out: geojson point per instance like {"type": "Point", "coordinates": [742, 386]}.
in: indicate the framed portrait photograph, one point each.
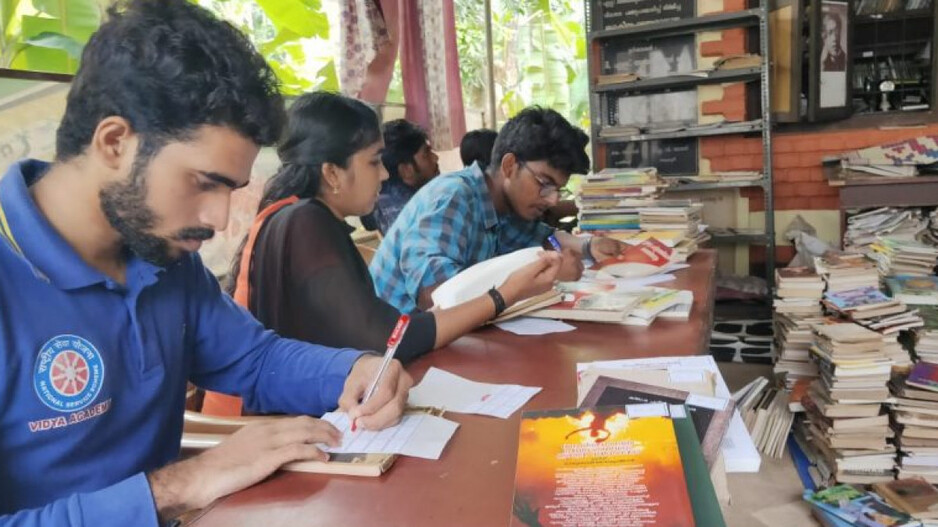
{"type": "Point", "coordinates": [830, 61]}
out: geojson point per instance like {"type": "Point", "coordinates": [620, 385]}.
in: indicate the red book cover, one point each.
{"type": "Point", "coordinates": [924, 375]}
{"type": "Point", "coordinates": [645, 259]}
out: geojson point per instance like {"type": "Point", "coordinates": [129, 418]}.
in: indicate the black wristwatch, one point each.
{"type": "Point", "coordinates": [499, 301]}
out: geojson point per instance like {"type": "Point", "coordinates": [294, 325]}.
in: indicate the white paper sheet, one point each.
{"type": "Point", "coordinates": [534, 326]}
{"type": "Point", "coordinates": [739, 451]}
{"type": "Point", "coordinates": [631, 284]}
{"type": "Point", "coordinates": [417, 435]}
{"type": "Point", "coordinates": [453, 393]}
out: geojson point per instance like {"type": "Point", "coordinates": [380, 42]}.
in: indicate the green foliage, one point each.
{"type": "Point", "coordinates": [291, 34]}
{"type": "Point", "coordinates": [46, 35]}
{"type": "Point", "coordinates": [539, 53]}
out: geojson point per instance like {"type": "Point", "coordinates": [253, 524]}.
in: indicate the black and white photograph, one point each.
{"type": "Point", "coordinates": [833, 59]}
{"type": "Point", "coordinates": [657, 58]}
{"type": "Point", "coordinates": [659, 110]}
{"type": "Point", "coordinates": [670, 156]}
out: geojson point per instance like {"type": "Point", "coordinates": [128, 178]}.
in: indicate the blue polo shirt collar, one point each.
{"type": "Point", "coordinates": [50, 256]}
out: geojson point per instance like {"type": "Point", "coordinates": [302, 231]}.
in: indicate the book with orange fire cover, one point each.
{"type": "Point", "coordinates": [614, 465]}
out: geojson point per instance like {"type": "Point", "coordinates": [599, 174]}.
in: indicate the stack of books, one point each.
{"type": "Point", "coordinates": [797, 309]}
{"type": "Point", "coordinates": [871, 308]}
{"type": "Point", "coordinates": [898, 223]}
{"type": "Point", "coordinates": [847, 425]}
{"type": "Point", "coordinates": [896, 256]}
{"type": "Point", "coordinates": [765, 412]}
{"type": "Point", "coordinates": [925, 338]}
{"type": "Point", "coordinates": [624, 203]}
{"type": "Point", "coordinates": [914, 290]}
{"type": "Point", "coordinates": [608, 200]}
{"type": "Point", "coordinates": [915, 420]}
{"type": "Point", "coordinates": [671, 215]}
{"type": "Point", "coordinates": [913, 496]}
{"type": "Point", "coordinates": [846, 271]}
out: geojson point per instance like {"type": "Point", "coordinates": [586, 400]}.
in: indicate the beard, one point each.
{"type": "Point", "coordinates": [124, 205]}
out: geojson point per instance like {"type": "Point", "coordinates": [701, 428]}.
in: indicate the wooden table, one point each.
{"type": "Point", "coordinates": [472, 483]}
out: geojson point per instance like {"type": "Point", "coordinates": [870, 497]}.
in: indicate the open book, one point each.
{"type": "Point", "coordinates": [476, 280]}
{"type": "Point", "coordinates": [592, 301]}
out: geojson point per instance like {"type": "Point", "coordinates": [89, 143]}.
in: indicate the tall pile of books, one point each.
{"type": "Point", "coordinates": [915, 419]}
{"type": "Point", "coordinates": [797, 308]}
{"type": "Point", "coordinates": [898, 223]}
{"type": "Point", "coordinates": [608, 201]}
{"type": "Point", "coordinates": [896, 256]}
{"type": "Point", "coordinates": [925, 338]}
{"type": "Point", "coordinates": [846, 422]}
{"type": "Point", "coordinates": [624, 204]}
{"type": "Point", "coordinates": [846, 271]}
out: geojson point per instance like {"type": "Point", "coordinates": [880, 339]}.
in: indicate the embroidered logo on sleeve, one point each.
{"type": "Point", "coordinates": [69, 373]}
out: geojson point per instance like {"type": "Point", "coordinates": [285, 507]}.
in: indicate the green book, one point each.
{"type": "Point", "coordinates": [703, 498]}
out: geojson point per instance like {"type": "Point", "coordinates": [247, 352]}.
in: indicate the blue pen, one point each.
{"type": "Point", "coordinates": [554, 243]}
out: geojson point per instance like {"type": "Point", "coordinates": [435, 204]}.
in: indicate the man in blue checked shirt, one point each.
{"type": "Point", "coordinates": [462, 218]}
{"type": "Point", "coordinates": [106, 310]}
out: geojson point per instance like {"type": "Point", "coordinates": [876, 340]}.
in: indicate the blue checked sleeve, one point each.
{"type": "Point", "coordinates": [519, 234]}
{"type": "Point", "coordinates": [436, 249]}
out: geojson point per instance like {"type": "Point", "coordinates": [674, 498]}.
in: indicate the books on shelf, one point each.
{"type": "Point", "coordinates": [896, 256]}
{"type": "Point", "coordinates": [864, 229]}
{"type": "Point", "coordinates": [741, 61]}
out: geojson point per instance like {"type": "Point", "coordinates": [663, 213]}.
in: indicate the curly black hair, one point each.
{"type": "Point", "coordinates": [402, 141]}
{"type": "Point", "coordinates": [542, 134]}
{"type": "Point", "coordinates": [168, 67]}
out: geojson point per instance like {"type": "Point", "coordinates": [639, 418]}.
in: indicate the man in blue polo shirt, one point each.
{"type": "Point", "coordinates": [106, 310]}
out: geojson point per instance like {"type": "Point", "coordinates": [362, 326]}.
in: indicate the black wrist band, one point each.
{"type": "Point", "coordinates": [588, 249]}
{"type": "Point", "coordinates": [498, 300]}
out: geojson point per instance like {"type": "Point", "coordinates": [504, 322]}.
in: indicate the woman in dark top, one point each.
{"type": "Point", "coordinates": [307, 279]}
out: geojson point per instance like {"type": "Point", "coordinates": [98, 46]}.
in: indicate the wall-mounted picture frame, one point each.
{"type": "Point", "coordinates": [831, 64]}
{"type": "Point", "coordinates": [785, 26]}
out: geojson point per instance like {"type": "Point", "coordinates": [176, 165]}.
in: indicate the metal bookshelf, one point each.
{"type": "Point", "coordinates": [601, 107]}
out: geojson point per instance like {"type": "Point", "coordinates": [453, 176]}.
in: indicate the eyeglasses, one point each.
{"type": "Point", "coordinates": [548, 189]}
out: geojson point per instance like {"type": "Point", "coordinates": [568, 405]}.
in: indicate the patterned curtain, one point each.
{"type": "Point", "coordinates": [424, 31]}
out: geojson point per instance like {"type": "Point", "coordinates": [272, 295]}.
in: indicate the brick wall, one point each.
{"type": "Point", "coordinates": [799, 184]}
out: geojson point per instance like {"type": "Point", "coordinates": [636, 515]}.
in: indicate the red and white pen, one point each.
{"type": "Point", "coordinates": [393, 342]}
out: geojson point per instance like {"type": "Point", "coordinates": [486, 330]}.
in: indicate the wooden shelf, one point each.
{"type": "Point", "coordinates": [681, 81]}
{"type": "Point", "coordinates": [654, 136]}
{"type": "Point", "coordinates": [711, 185]}
{"type": "Point", "coordinates": [748, 17]}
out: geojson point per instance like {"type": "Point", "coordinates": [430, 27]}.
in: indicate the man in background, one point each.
{"type": "Point", "coordinates": [410, 162]}
{"type": "Point", "coordinates": [476, 147]}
